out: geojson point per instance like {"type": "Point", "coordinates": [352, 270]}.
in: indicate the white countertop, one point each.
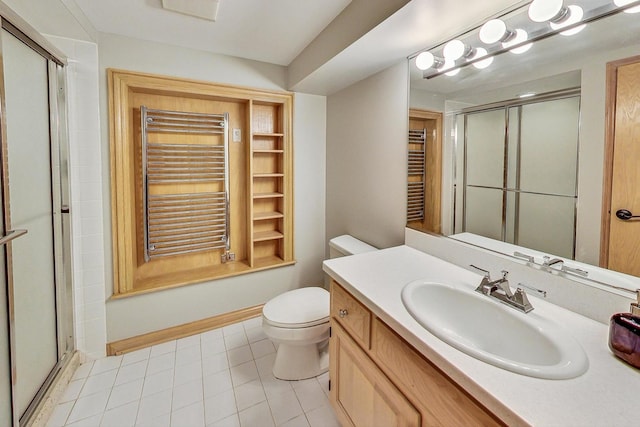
{"type": "Point", "coordinates": [607, 395]}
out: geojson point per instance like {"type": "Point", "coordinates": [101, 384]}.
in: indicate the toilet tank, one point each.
{"type": "Point", "coordinates": [347, 245]}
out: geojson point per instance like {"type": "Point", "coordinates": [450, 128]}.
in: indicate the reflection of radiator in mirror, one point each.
{"type": "Point", "coordinates": [185, 182]}
{"type": "Point", "coordinates": [416, 175]}
{"type": "Point", "coordinates": [519, 179]}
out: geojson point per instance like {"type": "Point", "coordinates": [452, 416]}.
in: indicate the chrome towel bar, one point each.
{"type": "Point", "coordinates": [194, 216]}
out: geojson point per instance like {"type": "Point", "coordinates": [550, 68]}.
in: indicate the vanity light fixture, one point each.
{"type": "Point", "coordinates": [450, 65]}
{"type": "Point", "coordinates": [426, 60]}
{"type": "Point", "coordinates": [575, 15]}
{"type": "Point", "coordinates": [495, 30]}
{"type": "Point", "coordinates": [482, 63]}
{"type": "Point", "coordinates": [455, 49]}
{"type": "Point", "coordinates": [521, 36]}
{"type": "Point", "coordinates": [548, 10]}
{"type": "Point", "coordinates": [621, 3]}
{"type": "Point", "coordinates": [498, 38]}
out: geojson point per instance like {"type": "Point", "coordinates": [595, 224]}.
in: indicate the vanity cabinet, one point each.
{"type": "Point", "coordinates": [378, 379]}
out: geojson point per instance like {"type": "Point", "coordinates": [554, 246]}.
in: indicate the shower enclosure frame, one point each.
{"type": "Point", "coordinates": [61, 221]}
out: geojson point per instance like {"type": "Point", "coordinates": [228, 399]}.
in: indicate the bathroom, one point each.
{"type": "Point", "coordinates": [377, 214]}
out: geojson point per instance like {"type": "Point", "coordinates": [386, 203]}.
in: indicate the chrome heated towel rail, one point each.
{"type": "Point", "coordinates": [177, 219]}
{"type": "Point", "coordinates": [416, 172]}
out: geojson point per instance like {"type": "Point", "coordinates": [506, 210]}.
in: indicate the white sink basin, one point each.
{"type": "Point", "coordinates": [493, 332]}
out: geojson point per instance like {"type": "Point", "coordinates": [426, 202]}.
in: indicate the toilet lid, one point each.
{"type": "Point", "coordinates": [298, 308]}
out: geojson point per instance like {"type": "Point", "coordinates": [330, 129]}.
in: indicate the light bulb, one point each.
{"type": "Point", "coordinates": [452, 72]}
{"type": "Point", "coordinates": [449, 64]}
{"type": "Point", "coordinates": [545, 10]}
{"type": "Point", "coordinates": [621, 3]}
{"type": "Point", "coordinates": [493, 31]}
{"type": "Point", "coordinates": [425, 60]}
{"type": "Point", "coordinates": [575, 15]}
{"type": "Point", "coordinates": [483, 63]}
{"type": "Point", "coordinates": [454, 49]}
{"type": "Point", "coordinates": [521, 36]}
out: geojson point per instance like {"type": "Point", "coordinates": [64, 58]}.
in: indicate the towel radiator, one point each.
{"type": "Point", "coordinates": [179, 219]}
{"type": "Point", "coordinates": [416, 173]}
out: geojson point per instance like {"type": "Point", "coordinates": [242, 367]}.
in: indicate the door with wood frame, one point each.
{"type": "Point", "coordinates": [620, 243]}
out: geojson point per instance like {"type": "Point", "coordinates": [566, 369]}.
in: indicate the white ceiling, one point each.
{"type": "Point", "coordinates": [273, 31]}
{"type": "Point", "coordinates": [323, 54]}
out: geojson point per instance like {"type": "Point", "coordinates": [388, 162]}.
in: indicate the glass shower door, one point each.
{"type": "Point", "coordinates": [29, 204]}
{"type": "Point", "coordinates": [484, 174]}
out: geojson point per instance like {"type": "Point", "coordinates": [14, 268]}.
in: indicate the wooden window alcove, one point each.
{"type": "Point", "coordinates": [260, 179]}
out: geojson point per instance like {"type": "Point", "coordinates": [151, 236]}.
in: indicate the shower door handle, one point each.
{"type": "Point", "coordinates": [12, 234]}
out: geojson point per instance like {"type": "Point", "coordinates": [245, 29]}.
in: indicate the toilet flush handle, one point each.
{"type": "Point", "coordinates": [342, 313]}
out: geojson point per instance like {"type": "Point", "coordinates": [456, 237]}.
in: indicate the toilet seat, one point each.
{"type": "Point", "coordinates": [299, 308]}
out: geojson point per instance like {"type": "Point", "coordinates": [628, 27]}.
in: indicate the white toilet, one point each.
{"type": "Point", "coordinates": [298, 321]}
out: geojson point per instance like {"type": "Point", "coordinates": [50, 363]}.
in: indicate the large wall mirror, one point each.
{"type": "Point", "coordinates": [523, 144]}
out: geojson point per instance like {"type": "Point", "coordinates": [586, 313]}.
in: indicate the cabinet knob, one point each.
{"type": "Point", "coordinates": [342, 312]}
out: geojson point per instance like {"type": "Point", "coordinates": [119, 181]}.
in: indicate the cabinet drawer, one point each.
{"type": "Point", "coordinates": [441, 401]}
{"type": "Point", "coordinates": [352, 315]}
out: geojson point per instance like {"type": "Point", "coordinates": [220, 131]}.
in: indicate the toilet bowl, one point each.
{"type": "Point", "coordinates": [298, 322]}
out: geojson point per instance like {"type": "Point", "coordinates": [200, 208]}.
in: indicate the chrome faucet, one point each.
{"type": "Point", "coordinates": [500, 290]}
{"type": "Point", "coordinates": [487, 286]}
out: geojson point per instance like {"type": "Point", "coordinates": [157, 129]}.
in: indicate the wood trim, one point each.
{"type": "Point", "coordinates": [609, 146]}
{"type": "Point", "coordinates": [199, 326]}
{"type": "Point", "coordinates": [132, 277]}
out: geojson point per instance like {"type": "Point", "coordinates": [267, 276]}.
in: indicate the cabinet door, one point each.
{"type": "Point", "coordinates": [439, 399]}
{"type": "Point", "coordinates": [360, 393]}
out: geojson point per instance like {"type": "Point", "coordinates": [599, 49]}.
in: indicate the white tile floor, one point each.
{"type": "Point", "coordinates": [218, 378]}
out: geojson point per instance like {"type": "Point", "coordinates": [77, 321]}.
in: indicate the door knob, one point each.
{"type": "Point", "coordinates": [626, 215]}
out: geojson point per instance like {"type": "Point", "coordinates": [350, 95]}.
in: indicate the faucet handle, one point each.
{"type": "Point", "coordinates": [529, 258]}
{"type": "Point", "coordinates": [578, 271]}
{"type": "Point", "coordinates": [505, 273]}
{"type": "Point", "coordinates": [539, 291]}
{"type": "Point", "coordinates": [487, 274]}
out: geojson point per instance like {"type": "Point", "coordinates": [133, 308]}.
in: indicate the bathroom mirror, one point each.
{"type": "Point", "coordinates": [557, 67]}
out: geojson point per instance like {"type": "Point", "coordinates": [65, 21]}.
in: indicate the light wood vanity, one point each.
{"type": "Point", "coordinates": [378, 379]}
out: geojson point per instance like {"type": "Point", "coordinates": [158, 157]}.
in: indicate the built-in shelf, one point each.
{"type": "Point", "coordinates": [261, 236]}
{"type": "Point", "coordinates": [267, 195]}
{"type": "Point", "coordinates": [268, 261]}
{"type": "Point", "coordinates": [268, 175]}
{"type": "Point", "coordinates": [271, 215]}
{"type": "Point", "coordinates": [267, 215]}
{"type": "Point", "coordinates": [267, 134]}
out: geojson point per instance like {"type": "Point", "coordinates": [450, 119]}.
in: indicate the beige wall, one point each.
{"type": "Point", "coordinates": [366, 158]}
{"type": "Point", "coordinates": [132, 316]}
